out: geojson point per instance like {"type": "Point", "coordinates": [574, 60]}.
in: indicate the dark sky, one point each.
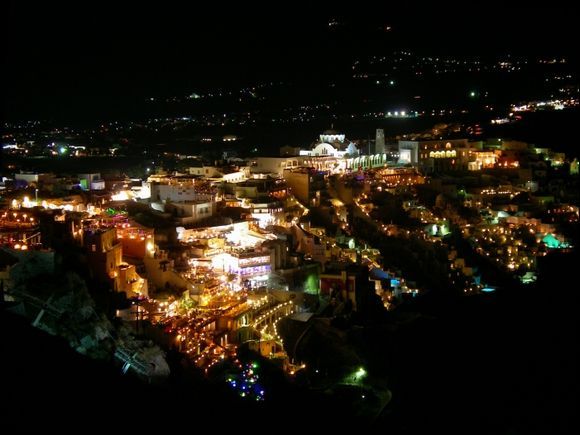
{"type": "Point", "coordinates": [66, 54]}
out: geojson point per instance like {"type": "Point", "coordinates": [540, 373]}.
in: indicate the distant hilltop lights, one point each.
{"type": "Point", "coordinates": [401, 114]}
{"type": "Point", "coordinates": [532, 106]}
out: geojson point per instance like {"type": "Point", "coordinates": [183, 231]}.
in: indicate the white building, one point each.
{"type": "Point", "coordinates": [331, 144]}
{"type": "Point", "coordinates": [276, 165]}
{"type": "Point", "coordinates": [409, 152]}
{"type": "Point", "coordinates": [204, 171]}
{"type": "Point", "coordinates": [189, 212]}
{"type": "Point", "coordinates": [332, 153]}
{"type": "Point", "coordinates": [176, 192]}
{"type": "Point", "coordinates": [234, 177]}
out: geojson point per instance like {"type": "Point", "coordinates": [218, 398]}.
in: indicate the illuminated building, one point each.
{"type": "Point", "coordinates": [175, 190]}
{"type": "Point", "coordinates": [257, 188]}
{"type": "Point", "coordinates": [188, 212]}
{"type": "Point", "coordinates": [393, 177]}
{"type": "Point", "coordinates": [91, 181]}
{"type": "Point", "coordinates": [276, 165]}
{"type": "Point", "coordinates": [447, 155]}
{"type": "Point", "coordinates": [409, 152]}
{"type": "Point", "coordinates": [204, 171]}
{"type": "Point", "coordinates": [305, 183]}
{"type": "Point", "coordinates": [482, 159]}
{"type": "Point", "coordinates": [432, 155]}
{"type": "Point", "coordinates": [331, 153]}
{"type": "Point", "coordinates": [129, 281]}
{"type": "Point", "coordinates": [234, 177]}
{"type": "Point", "coordinates": [235, 318]}
{"type": "Point", "coordinates": [104, 252]}
{"type": "Point", "coordinates": [105, 257]}
{"type": "Point", "coordinates": [136, 242]}
{"type": "Point", "coordinates": [267, 213]}
{"type": "Point", "coordinates": [248, 265]}
{"type": "Point", "coordinates": [161, 274]}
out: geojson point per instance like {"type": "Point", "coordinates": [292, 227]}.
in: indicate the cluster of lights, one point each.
{"type": "Point", "coordinates": [516, 252]}
{"type": "Point", "coordinates": [545, 105]}
{"type": "Point", "coordinates": [10, 219]}
{"type": "Point", "coordinates": [216, 301]}
{"type": "Point", "coordinates": [247, 383]}
{"type": "Point", "coordinates": [492, 191]}
{"type": "Point", "coordinates": [397, 113]}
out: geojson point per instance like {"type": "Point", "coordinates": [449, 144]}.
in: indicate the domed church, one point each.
{"type": "Point", "coordinates": [332, 144]}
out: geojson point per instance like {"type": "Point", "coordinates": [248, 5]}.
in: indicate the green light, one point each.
{"type": "Point", "coordinates": [472, 94]}
{"type": "Point", "coordinates": [62, 150]}
{"type": "Point", "coordinates": [311, 284]}
{"type": "Point", "coordinates": [551, 241]}
{"type": "Point", "coordinates": [357, 376]}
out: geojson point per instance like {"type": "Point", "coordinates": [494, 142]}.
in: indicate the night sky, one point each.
{"type": "Point", "coordinates": [69, 57]}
